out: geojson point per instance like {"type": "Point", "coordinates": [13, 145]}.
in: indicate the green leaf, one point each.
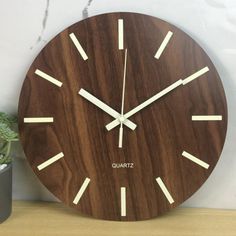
{"type": "Point", "coordinates": [7, 119]}
{"type": "Point", "coordinates": [4, 159]}
{"type": "Point", "coordinates": [6, 133]}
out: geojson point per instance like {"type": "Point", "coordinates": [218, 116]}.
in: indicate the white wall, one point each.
{"type": "Point", "coordinates": [26, 26]}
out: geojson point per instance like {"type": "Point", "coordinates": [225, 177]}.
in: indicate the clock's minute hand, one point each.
{"type": "Point", "coordinates": [103, 106]}
{"type": "Point", "coordinates": [116, 122]}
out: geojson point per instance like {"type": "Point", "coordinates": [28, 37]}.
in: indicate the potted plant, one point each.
{"type": "Point", "coordinates": [7, 136]}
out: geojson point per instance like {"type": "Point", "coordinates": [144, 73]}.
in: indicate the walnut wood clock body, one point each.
{"type": "Point", "coordinates": [164, 142]}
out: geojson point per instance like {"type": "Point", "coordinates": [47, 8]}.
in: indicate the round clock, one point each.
{"type": "Point", "coordinates": [122, 116]}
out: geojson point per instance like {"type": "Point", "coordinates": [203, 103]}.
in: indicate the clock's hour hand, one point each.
{"type": "Point", "coordinates": [110, 111]}
{"type": "Point", "coordinates": [116, 122]}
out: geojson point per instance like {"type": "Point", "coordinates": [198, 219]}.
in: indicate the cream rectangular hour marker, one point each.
{"type": "Point", "coordinates": [121, 34]}
{"type": "Point", "coordinates": [38, 120]}
{"type": "Point", "coordinates": [163, 45]}
{"type": "Point", "coordinates": [195, 160]}
{"type": "Point", "coordinates": [165, 190]}
{"type": "Point", "coordinates": [81, 191]}
{"type": "Point", "coordinates": [50, 161]}
{"type": "Point", "coordinates": [78, 46]}
{"type": "Point", "coordinates": [195, 75]}
{"type": "Point", "coordinates": [123, 201]}
{"type": "Point", "coordinates": [206, 118]}
{"type": "Point", "coordinates": [48, 78]}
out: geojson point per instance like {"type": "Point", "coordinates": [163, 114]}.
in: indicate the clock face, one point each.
{"type": "Point", "coordinates": [122, 116]}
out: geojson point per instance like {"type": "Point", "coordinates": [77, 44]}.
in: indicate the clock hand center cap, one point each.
{"type": "Point", "coordinates": [121, 119]}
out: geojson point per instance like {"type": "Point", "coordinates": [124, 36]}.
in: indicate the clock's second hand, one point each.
{"type": "Point", "coordinates": [122, 104]}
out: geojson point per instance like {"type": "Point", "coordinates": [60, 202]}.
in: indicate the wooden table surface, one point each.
{"type": "Point", "coordinates": [42, 218]}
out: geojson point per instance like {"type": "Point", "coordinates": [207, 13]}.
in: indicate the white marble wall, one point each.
{"type": "Point", "coordinates": [26, 26]}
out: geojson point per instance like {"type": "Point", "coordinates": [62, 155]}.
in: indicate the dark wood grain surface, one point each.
{"type": "Point", "coordinates": [164, 129]}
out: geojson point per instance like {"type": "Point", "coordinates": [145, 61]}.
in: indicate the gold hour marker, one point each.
{"type": "Point", "coordinates": [195, 160]}
{"type": "Point", "coordinates": [81, 191]}
{"type": "Point", "coordinates": [38, 120]}
{"type": "Point", "coordinates": [163, 45]}
{"type": "Point", "coordinates": [78, 46]}
{"type": "Point", "coordinates": [121, 34]}
{"type": "Point", "coordinates": [50, 161]}
{"type": "Point", "coordinates": [206, 118]}
{"type": "Point", "coordinates": [165, 190]}
{"type": "Point", "coordinates": [48, 78]}
{"type": "Point", "coordinates": [123, 201]}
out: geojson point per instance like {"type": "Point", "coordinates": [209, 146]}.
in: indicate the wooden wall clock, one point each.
{"type": "Point", "coordinates": [122, 116]}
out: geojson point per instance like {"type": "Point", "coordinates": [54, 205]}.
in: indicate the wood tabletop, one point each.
{"type": "Point", "coordinates": [43, 218]}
